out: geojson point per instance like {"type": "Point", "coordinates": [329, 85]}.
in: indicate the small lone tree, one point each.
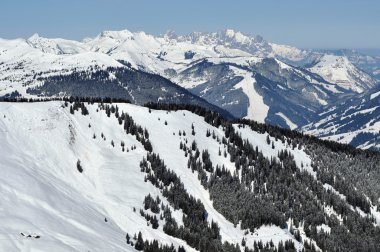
{"type": "Point", "coordinates": [79, 166]}
{"type": "Point", "coordinates": [127, 238]}
{"type": "Point", "coordinates": [192, 129]}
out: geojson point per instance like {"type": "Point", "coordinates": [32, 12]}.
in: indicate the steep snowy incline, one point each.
{"type": "Point", "coordinates": [57, 45]}
{"type": "Point", "coordinates": [47, 196]}
{"type": "Point", "coordinates": [163, 127]}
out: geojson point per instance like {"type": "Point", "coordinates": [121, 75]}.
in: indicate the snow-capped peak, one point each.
{"type": "Point", "coordinates": [340, 71]}
{"type": "Point", "coordinates": [230, 32]}
{"type": "Point", "coordinates": [34, 37]}
{"type": "Point", "coordinates": [237, 36]}
{"type": "Point", "coordinates": [123, 34]}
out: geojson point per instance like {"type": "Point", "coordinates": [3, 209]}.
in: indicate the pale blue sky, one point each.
{"type": "Point", "coordinates": [302, 23]}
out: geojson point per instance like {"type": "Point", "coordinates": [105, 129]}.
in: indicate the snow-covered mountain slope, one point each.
{"type": "Point", "coordinates": [28, 66]}
{"type": "Point", "coordinates": [45, 195]}
{"type": "Point", "coordinates": [354, 121]}
{"type": "Point", "coordinates": [73, 181]}
{"type": "Point", "coordinates": [339, 70]}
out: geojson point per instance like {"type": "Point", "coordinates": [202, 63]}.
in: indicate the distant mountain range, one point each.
{"type": "Point", "coordinates": [236, 74]}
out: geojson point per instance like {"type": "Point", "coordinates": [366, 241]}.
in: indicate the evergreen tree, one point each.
{"type": "Point", "coordinates": [79, 166]}
{"type": "Point", "coordinates": [139, 245]}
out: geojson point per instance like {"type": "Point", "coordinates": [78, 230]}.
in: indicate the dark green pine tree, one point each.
{"type": "Point", "coordinates": [127, 238]}
{"type": "Point", "coordinates": [139, 243]}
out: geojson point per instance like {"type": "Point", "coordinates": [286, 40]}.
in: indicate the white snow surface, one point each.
{"type": "Point", "coordinates": [43, 193]}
